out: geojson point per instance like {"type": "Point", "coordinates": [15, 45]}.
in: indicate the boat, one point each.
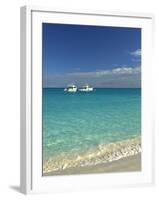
{"type": "Point", "coordinates": [71, 88]}
{"type": "Point", "coordinates": [86, 88]}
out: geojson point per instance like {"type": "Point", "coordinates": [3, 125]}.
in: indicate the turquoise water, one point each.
{"type": "Point", "coordinates": [74, 123]}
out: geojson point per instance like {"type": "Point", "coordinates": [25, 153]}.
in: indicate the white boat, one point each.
{"type": "Point", "coordinates": [71, 88]}
{"type": "Point", "coordinates": [86, 88]}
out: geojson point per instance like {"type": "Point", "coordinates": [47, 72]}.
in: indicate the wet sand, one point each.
{"type": "Point", "coordinates": [127, 164]}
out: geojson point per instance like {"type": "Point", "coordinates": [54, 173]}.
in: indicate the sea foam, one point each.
{"type": "Point", "coordinates": [102, 154]}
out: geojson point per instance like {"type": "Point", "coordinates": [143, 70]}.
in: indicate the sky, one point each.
{"type": "Point", "coordinates": [102, 56]}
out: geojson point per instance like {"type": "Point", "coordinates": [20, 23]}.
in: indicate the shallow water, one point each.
{"type": "Point", "coordinates": [80, 122]}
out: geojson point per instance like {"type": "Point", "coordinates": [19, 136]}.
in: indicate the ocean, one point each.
{"type": "Point", "coordinates": [75, 124]}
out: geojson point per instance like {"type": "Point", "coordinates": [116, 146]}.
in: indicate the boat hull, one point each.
{"type": "Point", "coordinates": [86, 90]}
{"type": "Point", "coordinates": [70, 90]}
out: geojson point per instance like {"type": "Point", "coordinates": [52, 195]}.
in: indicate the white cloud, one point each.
{"type": "Point", "coordinates": [117, 77]}
{"type": "Point", "coordinates": [116, 71]}
{"type": "Point", "coordinates": [136, 53]}
{"type": "Point", "coordinates": [127, 70]}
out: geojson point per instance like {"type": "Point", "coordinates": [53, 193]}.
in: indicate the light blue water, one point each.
{"type": "Point", "coordinates": [78, 122]}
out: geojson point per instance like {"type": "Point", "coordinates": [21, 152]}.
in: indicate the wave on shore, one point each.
{"type": "Point", "coordinates": [102, 154]}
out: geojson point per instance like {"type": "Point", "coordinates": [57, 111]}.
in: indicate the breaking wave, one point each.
{"type": "Point", "coordinates": [101, 154]}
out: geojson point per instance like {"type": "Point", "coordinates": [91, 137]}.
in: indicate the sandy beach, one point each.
{"type": "Point", "coordinates": [114, 157]}
{"type": "Point", "coordinates": [127, 164]}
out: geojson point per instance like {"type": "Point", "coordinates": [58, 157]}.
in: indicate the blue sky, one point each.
{"type": "Point", "coordinates": [97, 55]}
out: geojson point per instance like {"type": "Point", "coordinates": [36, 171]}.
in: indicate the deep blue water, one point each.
{"type": "Point", "coordinates": [78, 122]}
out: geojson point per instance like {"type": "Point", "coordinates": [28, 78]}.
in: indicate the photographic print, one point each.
{"type": "Point", "coordinates": [91, 101]}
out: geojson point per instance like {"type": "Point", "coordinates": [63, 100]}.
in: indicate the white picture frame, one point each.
{"type": "Point", "coordinates": [32, 180]}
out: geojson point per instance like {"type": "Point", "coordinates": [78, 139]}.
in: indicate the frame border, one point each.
{"type": "Point", "coordinates": [26, 83]}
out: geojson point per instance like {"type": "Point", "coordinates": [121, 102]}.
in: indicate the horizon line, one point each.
{"type": "Point", "coordinates": [99, 87]}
